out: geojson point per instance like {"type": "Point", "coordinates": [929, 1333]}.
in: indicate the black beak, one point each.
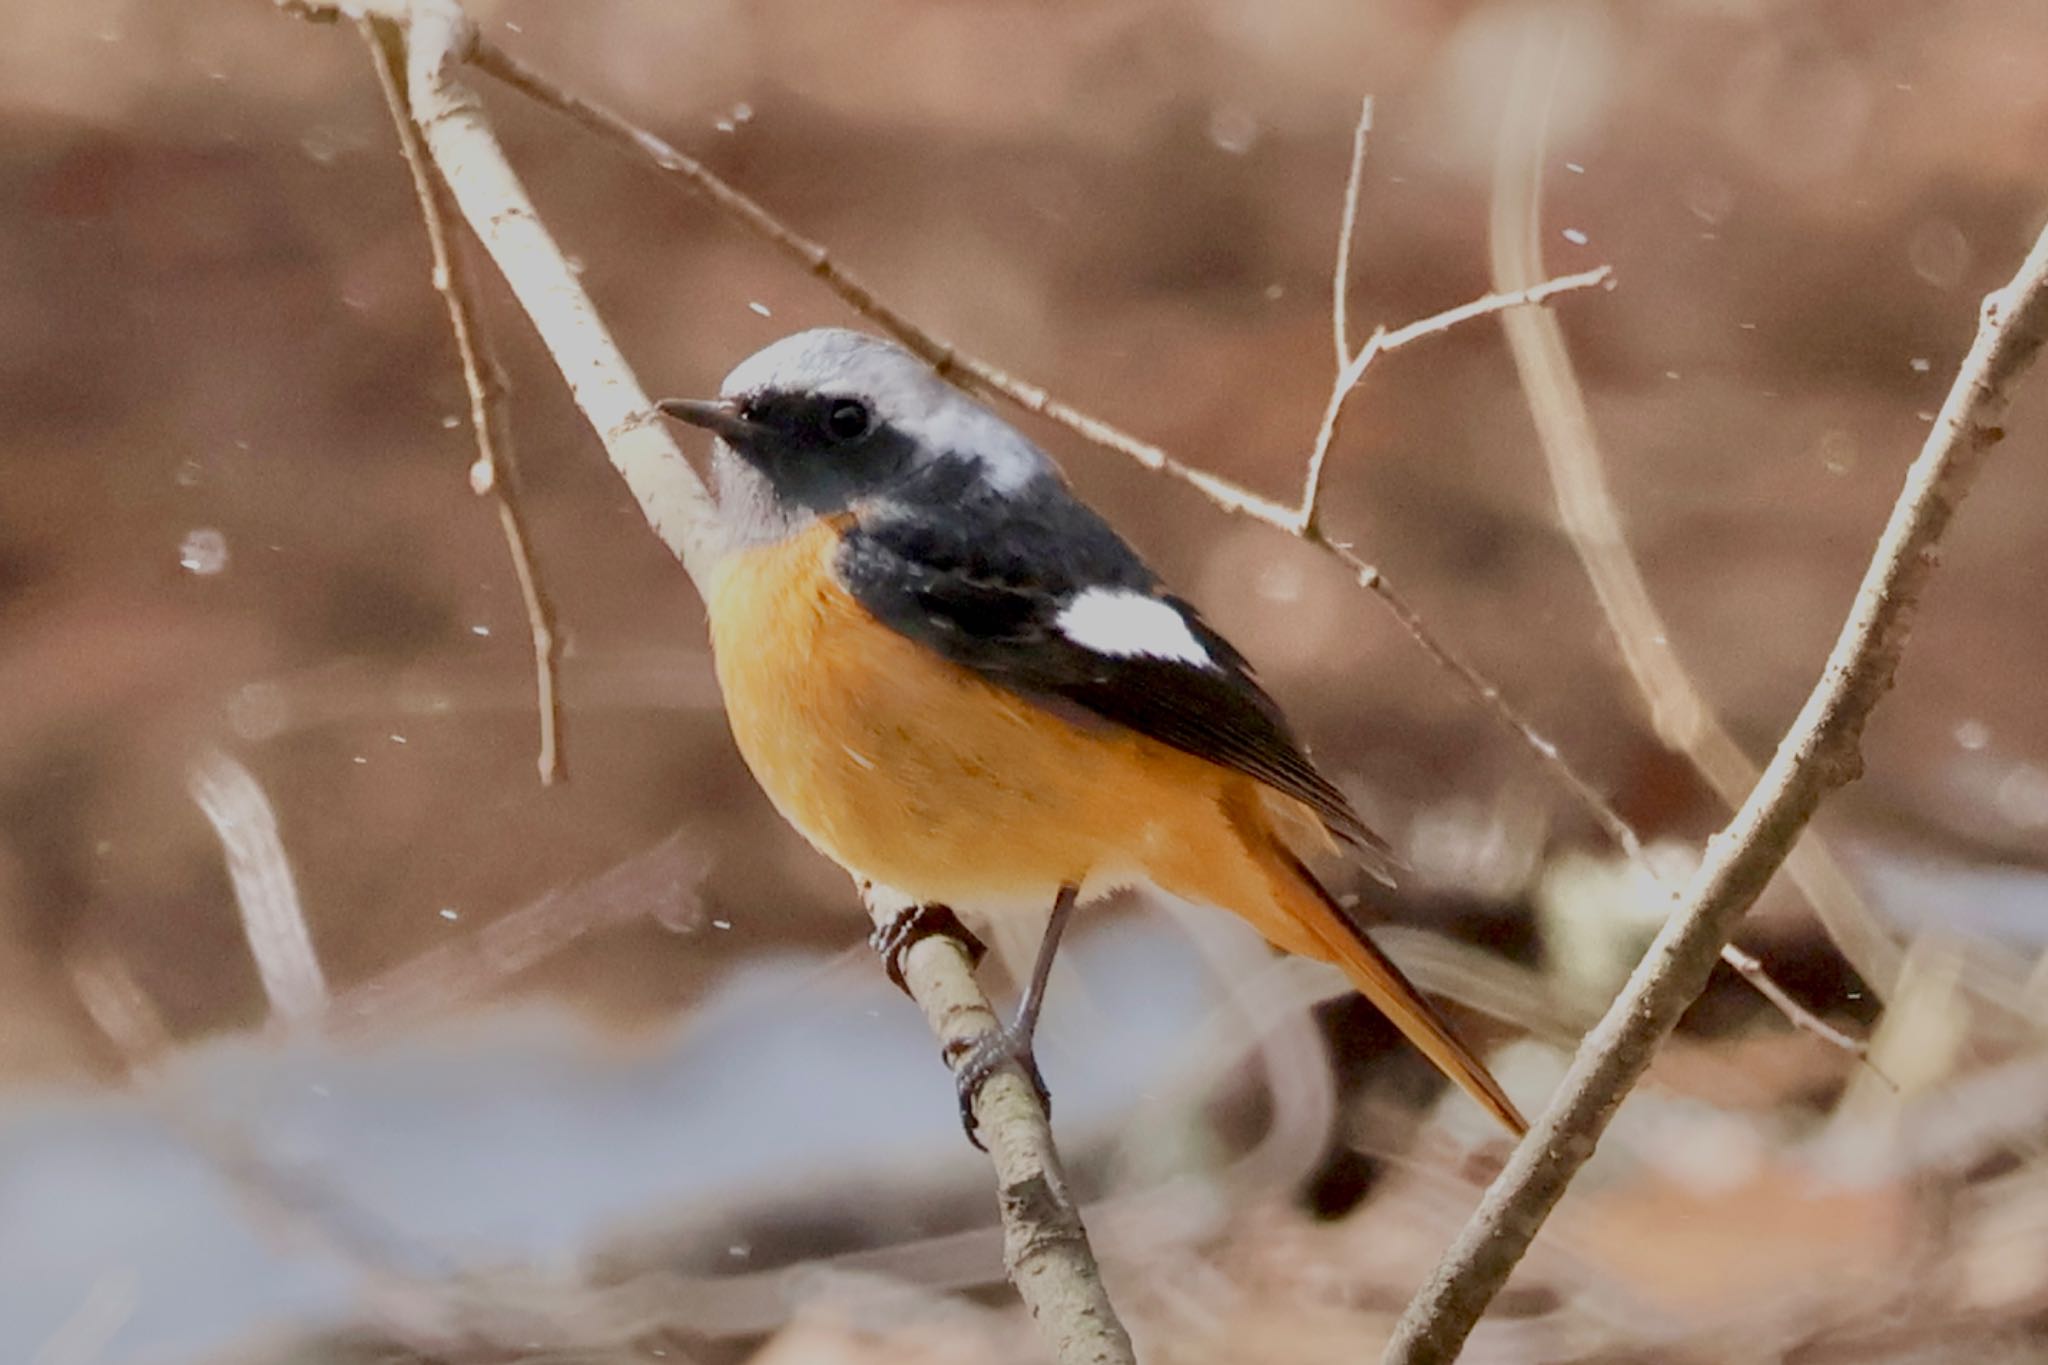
{"type": "Point", "coordinates": [720, 416]}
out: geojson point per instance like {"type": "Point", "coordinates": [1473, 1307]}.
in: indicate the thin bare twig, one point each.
{"type": "Point", "coordinates": [1347, 228]}
{"type": "Point", "coordinates": [1818, 754]}
{"type": "Point", "coordinates": [496, 472]}
{"type": "Point", "coordinates": [1751, 969]}
{"type": "Point", "coordinates": [1680, 713]}
{"type": "Point", "coordinates": [1489, 697]}
{"type": "Point", "coordinates": [942, 355]}
{"type": "Point", "coordinates": [1616, 828]}
{"type": "Point", "coordinates": [1306, 519]}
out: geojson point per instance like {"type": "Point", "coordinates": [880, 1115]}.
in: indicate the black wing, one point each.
{"type": "Point", "coordinates": [983, 578]}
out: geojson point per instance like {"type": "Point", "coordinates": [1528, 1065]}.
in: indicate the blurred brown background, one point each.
{"type": "Point", "coordinates": [234, 514]}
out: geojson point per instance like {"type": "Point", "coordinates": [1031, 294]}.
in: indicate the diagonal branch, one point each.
{"type": "Point", "coordinates": [495, 203]}
{"type": "Point", "coordinates": [1045, 1246]}
{"type": "Point", "coordinates": [1818, 754]}
{"type": "Point", "coordinates": [266, 893]}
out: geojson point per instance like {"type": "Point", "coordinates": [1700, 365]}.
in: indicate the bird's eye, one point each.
{"type": "Point", "coordinates": [847, 420]}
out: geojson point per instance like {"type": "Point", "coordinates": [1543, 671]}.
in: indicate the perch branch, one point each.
{"type": "Point", "coordinates": [495, 472]}
{"type": "Point", "coordinates": [1818, 754]}
{"type": "Point", "coordinates": [1045, 1247]}
{"type": "Point", "coordinates": [1680, 713]}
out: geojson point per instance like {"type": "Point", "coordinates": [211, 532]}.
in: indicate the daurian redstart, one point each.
{"type": "Point", "coordinates": [964, 688]}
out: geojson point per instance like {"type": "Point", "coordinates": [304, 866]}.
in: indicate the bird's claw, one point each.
{"type": "Point", "coordinates": [913, 924]}
{"type": "Point", "coordinates": [982, 1058]}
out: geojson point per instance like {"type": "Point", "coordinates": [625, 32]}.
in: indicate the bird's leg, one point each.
{"type": "Point", "coordinates": [912, 925]}
{"type": "Point", "coordinates": [1012, 1041]}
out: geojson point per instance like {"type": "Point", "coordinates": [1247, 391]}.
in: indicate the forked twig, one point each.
{"type": "Point", "coordinates": [1305, 519]}
{"type": "Point", "coordinates": [1527, 286]}
{"type": "Point", "coordinates": [1818, 754]}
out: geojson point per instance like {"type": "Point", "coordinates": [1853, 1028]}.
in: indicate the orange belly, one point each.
{"type": "Point", "coordinates": [914, 773]}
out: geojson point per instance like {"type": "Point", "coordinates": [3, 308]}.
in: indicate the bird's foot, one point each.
{"type": "Point", "coordinates": [913, 924]}
{"type": "Point", "coordinates": [982, 1057]}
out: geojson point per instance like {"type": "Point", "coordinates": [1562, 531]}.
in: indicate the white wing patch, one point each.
{"type": "Point", "coordinates": [1126, 624]}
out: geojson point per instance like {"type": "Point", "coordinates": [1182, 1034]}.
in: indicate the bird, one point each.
{"type": "Point", "coordinates": [957, 681]}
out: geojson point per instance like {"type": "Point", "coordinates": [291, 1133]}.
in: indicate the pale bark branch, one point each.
{"type": "Point", "coordinates": [495, 203]}
{"type": "Point", "coordinates": [1818, 754]}
{"type": "Point", "coordinates": [1045, 1246]}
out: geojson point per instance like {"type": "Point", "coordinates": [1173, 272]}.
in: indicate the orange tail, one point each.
{"type": "Point", "coordinates": [1376, 977]}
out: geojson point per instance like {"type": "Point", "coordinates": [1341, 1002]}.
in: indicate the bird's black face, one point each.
{"type": "Point", "coordinates": [819, 451]}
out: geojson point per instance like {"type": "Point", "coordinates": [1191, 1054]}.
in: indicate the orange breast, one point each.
{"type": "Point", "coordinates": [912, 772]}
